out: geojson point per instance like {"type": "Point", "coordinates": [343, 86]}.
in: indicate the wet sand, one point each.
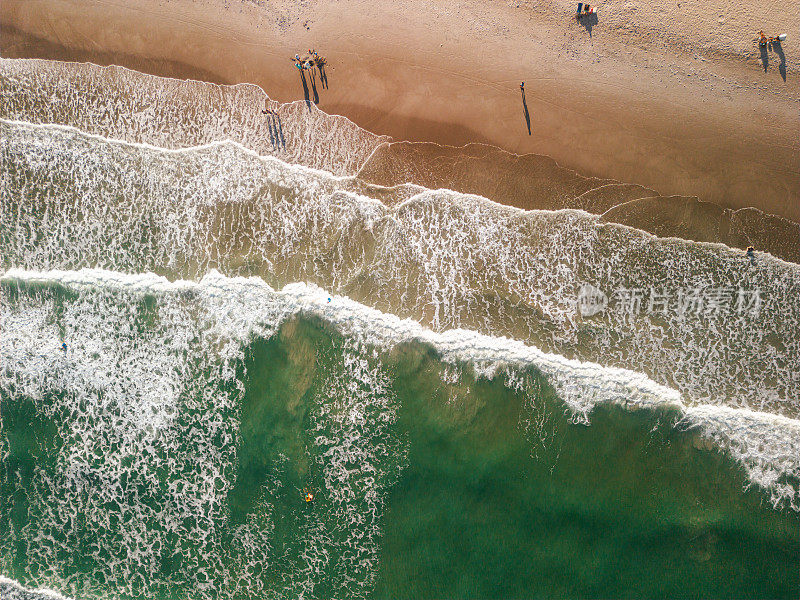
{"type": "Point", "coordinates": [675, 113]}
{"type": "Point", "coordinates": [538, 182]}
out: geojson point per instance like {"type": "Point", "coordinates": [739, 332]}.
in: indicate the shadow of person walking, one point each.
{"type": "Point", "coordinates": [305, 88]}
{"type": "Point", "coordinates": [279, 130]}
{"type": "Point", "coordinates": [777, 49]}
{"type": "Point", "coordinates": [273, 135]}
{"type": "Point", "coordinates": [314, 85]}
{"type": "Point", "coordinates": [273, 138]}
{"type": "Point", "coordinates": [322, 76]}
{"type": "Point", "coordinates": [764, 56]}
{"type": "Point", "coordinates": [525, 108]}
{"type": "Point", "coordinates": [588, 21]}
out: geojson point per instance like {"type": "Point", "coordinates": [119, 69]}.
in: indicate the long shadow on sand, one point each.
{"type": "Point", "coordinates": [777, 49]}
{"type": "Point", "coordinates": [764, 57]}
{"type": "Point", "coordinates": [323, 77]}
{"type": "Point", "coordinates": [279, 130]}
{"type": "Point", "coordinates": [305, 89]}
{"type": "Point", "coordinates": [588, 21]}
{"type": "Point", "coordinates": [525, 112]}
{"type": "Point", "coordinates": [314, 87]}
{"type": "Point", "coordinates": [272, 135]}
{"type": "Point", "coordinates": [275, 129]}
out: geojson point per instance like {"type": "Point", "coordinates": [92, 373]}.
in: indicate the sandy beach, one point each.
{"type": "Point", "coordinates": [672, 97]}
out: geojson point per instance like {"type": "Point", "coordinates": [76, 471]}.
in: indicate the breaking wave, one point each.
{"type": "Point", "coordinates": [12, 590]}
{"type": "Point", "coordinates": [130, 106]}
{"type": "Point", "coordinates": [232, 311]}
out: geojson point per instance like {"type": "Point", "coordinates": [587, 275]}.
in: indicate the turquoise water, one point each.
{"type": "Point", "coordinates": [627, 507]}
{"type": "Point", "coordinates": [430, 482]}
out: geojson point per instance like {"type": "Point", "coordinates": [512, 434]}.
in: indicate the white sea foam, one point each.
{"type": "Point", "coordinates": [139, 394]}
{"type": "Point", "coordinates": [128, 105]}
{"type": "Point", "coordinates": [352, 428]}
{"type": "Point", "coordinates": [450, 260]}
{"type": "Point", "coordinates": [130, 403]}
{"type": "Point", "coordinates": [767, 445]}
{"type": "Point", "coordinates": [13, 590]}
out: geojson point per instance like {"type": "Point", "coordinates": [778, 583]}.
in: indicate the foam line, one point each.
{"type": "Point", "coordinates": [767, 445]}
{"type": "Point", "coordinates": [14, 590]}
{"type": "Point", "coordinates": [267, 158]}
{"type": "Point", "coordinates": [409, 198]}
{"type": "Point", "coordinates": [447, 259]}
{"type": "Point", "coordinates": [121, 103]}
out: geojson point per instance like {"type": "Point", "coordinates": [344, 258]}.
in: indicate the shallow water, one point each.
{"type": "Point", "coordinates": [447, 259]}
{"type": "Point", "coordinates": [171, 113]}
{"type": "Point", "coordinates": [126, 105]}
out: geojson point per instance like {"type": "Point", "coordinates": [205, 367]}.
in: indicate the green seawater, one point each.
{"type": "Point", "coordinates": [430, 482]}
{"type": "Point", "coordinates": [626, 507]}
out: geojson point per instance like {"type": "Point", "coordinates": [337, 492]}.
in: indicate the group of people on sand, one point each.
{"type": "Point", "coordinates": [763, 40]}
{"type": "Point", "coordinates": [307, 62]}
{"type": "Point", "coordinates": [773, 43]}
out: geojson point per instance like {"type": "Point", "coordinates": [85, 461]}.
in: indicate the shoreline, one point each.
{"type": "Point", "coordinates": [599, 128]}
{"type": "Point", "coordinates": [525, 182]}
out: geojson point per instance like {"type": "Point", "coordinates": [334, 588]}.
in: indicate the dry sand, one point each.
{"type": "Point", "coordinates": [669, 95]}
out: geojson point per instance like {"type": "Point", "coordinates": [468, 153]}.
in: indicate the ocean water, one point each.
{"type": "Point", "coordinates": [486, 402]}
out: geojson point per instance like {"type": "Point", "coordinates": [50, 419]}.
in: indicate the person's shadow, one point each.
{"type": "Point", "coordinates": [588, 21]}
{"type": "Point", "coordinates": [525, 111]}
{"type": "Point", "coordinates": [323, 76]}
{"type": "Point", "coordinates": [777, 49]}
{"type": "Point", "coordinates": [314, 86]}
{"type": "Point", "coordinates": [305, 88]}
{"type": "Point", "coordinates": [764, 56]}
{"type": "Point", "coordinates": [279, 130]}
{"type": "Point", "coordinates": [272, 136]}
{"type": "Point", "coordinates": [275, 128]}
